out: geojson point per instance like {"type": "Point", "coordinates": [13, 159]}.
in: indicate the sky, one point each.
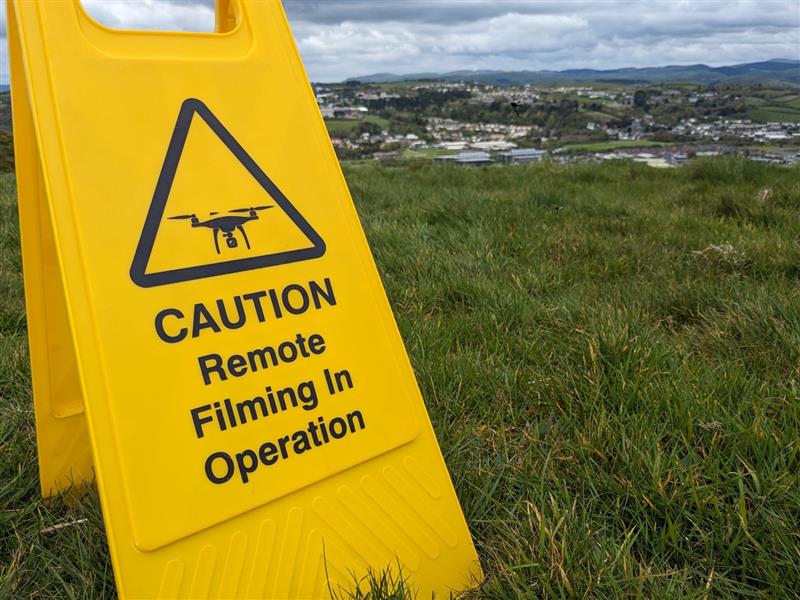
{"type": "Point", "coordinates": [347, 38]}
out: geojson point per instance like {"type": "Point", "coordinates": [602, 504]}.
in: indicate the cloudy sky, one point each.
{"type": "Point", "coordinates": [346, 38]}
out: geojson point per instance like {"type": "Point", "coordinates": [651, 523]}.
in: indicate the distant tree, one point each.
{"type": "Point", "coordinates": [567, 107]}
{"type": "Point", "coordinates": [368, 127]}
{"type": "Point", "coordinates": [393, 147]}
{"type": "Point", "coordinates": [640, 99]}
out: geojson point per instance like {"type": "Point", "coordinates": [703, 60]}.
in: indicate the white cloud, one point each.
{"type": "Point", "coordinates": [152, 14]}
{"type": "Point", "coordinates": [338, 39]}
{"type": "Point", "coordinates": [345, 38]}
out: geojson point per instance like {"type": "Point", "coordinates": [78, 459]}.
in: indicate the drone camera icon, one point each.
{"type": "Point", "coordinates": [227, 224]}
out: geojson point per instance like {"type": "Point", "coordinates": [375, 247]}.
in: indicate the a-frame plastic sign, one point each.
{"type": "Point", "coordinates": [209, 335]}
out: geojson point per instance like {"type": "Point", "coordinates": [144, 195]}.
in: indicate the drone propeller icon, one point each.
{"type": "Point", "coordinates": [228, 224]}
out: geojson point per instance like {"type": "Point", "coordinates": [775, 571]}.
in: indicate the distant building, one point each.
{"type": "Point", "coordinates": [522, 155]}
{"type": "Point", "coordinates": [651, 160]}
{"type": "Point", "coordinates": [344, 112]}
{"type": "Point", "coordinates": [467, 158]}
{"type": "Point", "coordinates": [493, 145]}
{"type": "Point", "coordinates": [460, 145]}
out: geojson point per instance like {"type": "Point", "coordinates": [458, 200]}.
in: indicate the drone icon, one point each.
{"type": "Point", "coordinates": [228, 224]}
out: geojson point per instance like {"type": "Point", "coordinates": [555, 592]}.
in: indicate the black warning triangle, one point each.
{"type": "Point", "coordinates": [138, 272]}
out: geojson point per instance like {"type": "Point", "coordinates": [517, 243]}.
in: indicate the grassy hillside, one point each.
{"type": "Point", "coordinates": [769, 106]}
{"type": "Point", "coordinates": [774, 114]}
{"type": "Point", "coordinates": [610, 355]}
{"type": "Point", "coordinates": [345, 126]}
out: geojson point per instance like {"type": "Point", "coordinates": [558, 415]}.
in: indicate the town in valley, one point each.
{"type": "Point", "coordinates": [480, 123]}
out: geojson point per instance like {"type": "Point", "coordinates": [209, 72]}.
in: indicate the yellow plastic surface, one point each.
{"type": "Point", "coordinates": [65, 457]}
{"type": "Point", "coordinates": [197, 277]}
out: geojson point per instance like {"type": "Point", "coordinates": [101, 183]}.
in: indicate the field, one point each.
{"type": "Point", "coordinates": [344, 126]}
{"type": "Point", "coordinates": [614, 145]}
{"type": "Point", "coordinates": [773, 106]}
{"type": "Point", "coordinates": [425, 153]}
{"type": "Point", "coordinates": [610, 355]}
{"type": "Point", "coordinates": [773, 114]}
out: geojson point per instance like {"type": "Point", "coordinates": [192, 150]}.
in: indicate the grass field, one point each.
{"type": "Point", "coordinates": [347, 125]}
{"type": "Point", "coordinates": [600, 117]}
{"type": "Point", "coordinates": [614, 145]}
{"type": "Point", "coordinates": [773, 114]}
{"type": "Point", "coordinates": [774, 106]}
{"type": "Point", "coordinates": [425, 153]}
{"type": "Point", "coordinates": [610, 355]}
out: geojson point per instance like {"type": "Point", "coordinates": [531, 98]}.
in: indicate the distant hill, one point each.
{"type": "Point", "coordinates": [784, 70]}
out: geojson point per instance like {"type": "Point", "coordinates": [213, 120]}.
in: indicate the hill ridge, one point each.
{"type": "Point", "coordinates": [778, 69]}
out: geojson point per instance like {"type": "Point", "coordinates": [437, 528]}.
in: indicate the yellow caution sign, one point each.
{"type": "Point", "coordinates": [198, 284]}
